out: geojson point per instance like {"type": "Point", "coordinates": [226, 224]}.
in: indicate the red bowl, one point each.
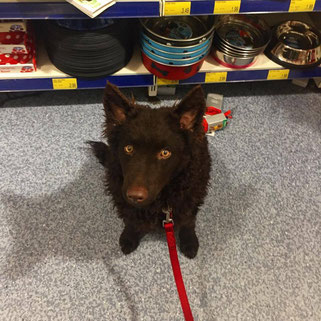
{"type": "Point", "coordinates": [171, 72]}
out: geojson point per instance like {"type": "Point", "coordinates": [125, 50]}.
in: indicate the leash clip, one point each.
{"type": "Point", "coordinates": [169, 215]}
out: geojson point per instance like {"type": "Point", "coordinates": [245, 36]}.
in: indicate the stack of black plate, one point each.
{"type": "Point", "coordinates": [84, 48]}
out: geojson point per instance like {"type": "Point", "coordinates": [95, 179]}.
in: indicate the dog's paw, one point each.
{"type": "Point", "coordinates": [189, 244]}
{"type": "Point", "coordinates": [128, 243]}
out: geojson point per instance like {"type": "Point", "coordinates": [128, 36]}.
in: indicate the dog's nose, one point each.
{"type": "Point", "coordinates": [137, 194]}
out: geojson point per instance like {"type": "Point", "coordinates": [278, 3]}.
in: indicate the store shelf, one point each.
{"type": "Point", "coordinates": [60, 9]}
{"type": "Point", "coordinates": [135, 75]}
{"type": "Point", "coordinates": [259, 71]}
{"type": "Point", "coordinates": [64, 10]}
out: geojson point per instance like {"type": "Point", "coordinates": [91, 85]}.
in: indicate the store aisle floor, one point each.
{"type": "Point", "coordinates": [259, 229]}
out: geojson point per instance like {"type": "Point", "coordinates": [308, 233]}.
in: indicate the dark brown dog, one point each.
{"type": "Point", "coordinates": [155, 159]}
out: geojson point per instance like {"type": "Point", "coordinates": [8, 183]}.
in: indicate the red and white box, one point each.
{"type": "Point", "coordinates": [23, 47]}
{"type": "Point", "coordinates": [12, 32]}
{"type": "Point", "coordinates": [21, 68]}
{"type": "Point", "coordinates": [14, 63]}
{"type": "Point", "coordinates": [19, 57]}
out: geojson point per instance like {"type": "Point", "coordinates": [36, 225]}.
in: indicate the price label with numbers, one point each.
{"type": "Point", "coordinates": [216, 76]}
{"type": "Point", "coordinates": [162, 81]}
{"type": "Point", "coordinates": [278, 74]}
{"type": "Point", "coordinates": [229, 6]}
{"type": "Point", "coordinates": [64, 83]}
{"type": "Point", "coordinates": [301, 5]}
{"type": "Point", "coordinates": [177, 8]}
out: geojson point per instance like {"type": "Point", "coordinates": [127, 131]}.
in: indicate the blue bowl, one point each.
{"type": "Point", "coordinates": [174, 55]}
{"type": "Point", "coordinates": [172, 49]}
{"type": "Point", "coordinates": [173, 62]}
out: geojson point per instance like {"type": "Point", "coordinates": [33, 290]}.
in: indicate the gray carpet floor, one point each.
{"type": "Point", "coordinates": [259, 229]}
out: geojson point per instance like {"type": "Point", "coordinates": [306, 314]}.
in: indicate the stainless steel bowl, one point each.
{"type": "Point", "coordinates": [236, 53]}
{"type": "Point", "coordinates": [233, 62]}
{"type": "Point", "coordinates": [179, 31]}
{"type": "Point", "coordinates": [246, 33]}
{"type": "Point", "coordinates": [295, 44]}
{"type": "Point", "coordinates": [239, 39]}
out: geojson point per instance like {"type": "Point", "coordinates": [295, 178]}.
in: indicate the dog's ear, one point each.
{"type": "Point", "coordinates": [116, 105]}
{"type": "Point", "coordinates": [191, 109]}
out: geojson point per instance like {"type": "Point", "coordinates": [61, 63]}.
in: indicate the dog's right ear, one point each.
{"type": "Point", "coordinates": [116, 105]}
{"type": "Point", "coordinates": [191, 109]}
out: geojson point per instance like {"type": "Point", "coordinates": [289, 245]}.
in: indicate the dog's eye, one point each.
{"type": "Point", "coordinates": [129, 149]}
{"type": "Point", "coordinates": [164, 154]}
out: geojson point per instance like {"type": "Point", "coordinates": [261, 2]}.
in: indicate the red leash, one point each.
{"type": "Point", "coordinates": [171, 242]}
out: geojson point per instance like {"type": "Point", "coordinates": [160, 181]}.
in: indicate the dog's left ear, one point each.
{"type": "Point", "coordinates": [191, 109]}
{"type": "Point", "coordinates": [116, 105]}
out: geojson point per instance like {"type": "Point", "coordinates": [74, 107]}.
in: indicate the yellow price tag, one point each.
{"type": "Point", "coordinates": [301, 5]}
{"type": "Point", "coordinates": [278, 74]}
{"type": "Point", "coordinates": [64, 83]}
{"type": "Point", "coordinates": [216, 76]}
{"type": "Point", "coordinates": [162, 81]}
{"type": "Point", "coordinates": [177, 8]}
{"type": "Point", "coordinates": [229, 6]}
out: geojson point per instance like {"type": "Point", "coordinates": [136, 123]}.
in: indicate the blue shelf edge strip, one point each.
{"type": "Point", "coordinates": [46, 83]}
{"type": "Point", "coordinates": [145, 80]}
{"type": "Point", "coordinates": [252, 75]}
{"type": "Point", "coordinates": [130, 9]}
{"type": "Point", "coordinates": [64, 10]}
{"type": "Point", "coordinates": [206, 7]}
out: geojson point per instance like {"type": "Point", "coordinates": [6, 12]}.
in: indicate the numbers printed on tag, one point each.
{"type": "Point", "coordinates": [278, 74]}
{"type": "Point", "coordinates": [177, 8]}
{"type": "Point", "coordinates": [162, 81]}
{"type": "Point", "coordinates": [216, 76]}
{"type": "Point", "coordinates": [227, 6]}
{"type": "Point", "coordinates": [64, 83]}
{"type": "Point", "coordinates": [301, 5]}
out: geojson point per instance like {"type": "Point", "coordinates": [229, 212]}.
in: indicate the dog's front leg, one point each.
{"type": "Point", "coordinates": [130, 238]}
{"type": "Point", "coordinates": [188, 239]}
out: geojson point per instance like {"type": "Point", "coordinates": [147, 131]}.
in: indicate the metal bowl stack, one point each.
{"type": "Point", "coordinates": [239, 39]}
{"type": "Point", "coordinates": [295, 44]}
{"type": "Point", "coordinates": [175, 47]}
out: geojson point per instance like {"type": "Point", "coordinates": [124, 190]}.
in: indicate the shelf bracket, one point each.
{"type": "Point", "coordinates": [161, 7]}
{"type": "Point", "coordinates": [152, 90]}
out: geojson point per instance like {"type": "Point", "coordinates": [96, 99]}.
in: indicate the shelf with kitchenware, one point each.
{"type": "Point", "coordinates": [209, 7]}
{"type": "Point", "coordinates": [48, 77]}
{"type": "Point", "coordinates": [61, 9]}
{"type": "Point", "coordinates": [262, 69]}
{"type": "Point", "coordinates": [234, 52]}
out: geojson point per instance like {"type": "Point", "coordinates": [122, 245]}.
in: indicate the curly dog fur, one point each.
{"type": "Point", "coordinates": [155, 159]}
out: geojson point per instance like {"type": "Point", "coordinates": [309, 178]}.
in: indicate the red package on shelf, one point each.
{"type": "Point", "coordinates": [12, 32]}
{"type": "Point", "coordinates": [15, 37]}
{"type": "Point", "coordinates": [18, 60]}
{"type": "Point", "coordinates": [23, 47]}
{"type": "Point", "coordinates": [15, 58]}
{"type": "Point", "coordinates": [25, 66]}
